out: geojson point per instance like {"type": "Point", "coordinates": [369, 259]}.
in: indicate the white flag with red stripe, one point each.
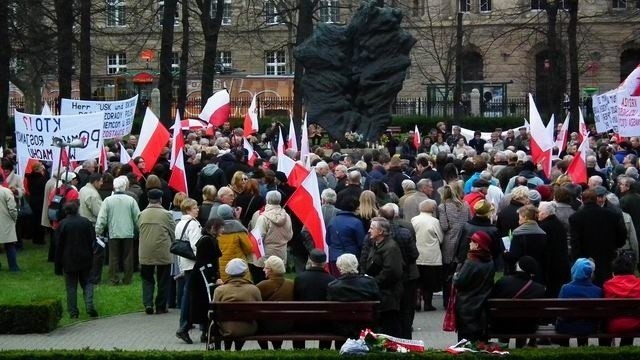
{"type": "Point", "coordinates": [103, 160]}
{"type": "Point", "coordinates": [561, 139]}
{"type": "Point", "coordinates": [542, 140]}
{"type": "Point", "coordinates": [257, 246]}
{"type": "Point", "coordinates": [217, 109]}
{"type": "Point", "coordinates": [153, 138]}
{"type": "Point", "coordinates": [251, 154]}
{"type": "Point", "coordinates": [177, 133]}
{"type": "Point", "coordinates": [126, 159]}
{"type": "Point", "coordinates": [583, 131]}
{"type": "Point", "coordinates": [577, 170]}
{"type": "Point", "coordinates": [251, 119]}
{"type": "Point", "coordinates": [416, 137]}
{"type": "Point", "coordinates": [305, 204]}
{"type": "Point", "coordinates": [304, 140]}
{"type": "Point", "coordinates": [178, 178]}
{"type": "Point", "coordinates": [292, 142]}
{"type": "Point", "coordinates": [295, 172]}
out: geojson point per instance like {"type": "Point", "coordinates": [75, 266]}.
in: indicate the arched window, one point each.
{"type": "Point", "coordinates": [629, 59]}
{"type": "Point", "coordinates": [472, 66]}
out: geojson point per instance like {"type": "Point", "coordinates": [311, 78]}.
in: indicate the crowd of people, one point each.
{"type": "Point", "coordinates": [402, 224]}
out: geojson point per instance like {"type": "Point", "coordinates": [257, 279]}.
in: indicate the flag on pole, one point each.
{"type": "Point", "coordinates": [257, 245]}
{"type": "Point", "coordinates": [416, 137]}
{"type": "Point", "coordinates": [292, 142]}
{"type": "Point", "coordinates": [561, 139]}
{"type": "Point", "coordinates": [304, 140]}
{"type": "Point", "coordinates": [251, 154]}
{"type": "Point", "coordinates": [126, 159]}
{"type": "Point", "coordinates": [251, 119]}
{"type": "Point", "coordinates": [103, 161]}
{"type": "Point", "coordinates": [305, 204]}
{"type": "Point", "coordinates": [217, 109]}
{"type": "Point", "coordinates": [295, 172]}
{"type": "Point", "coordinates": [577, 170]}
{"type": "Point", "coordinates": [178, 178]}
{"type": "Point", "coordinates": [153, 138]}
{"type": "Point", "coordinates": [583, 131]}
{"type": "Point", "coordinates": [542, 140]}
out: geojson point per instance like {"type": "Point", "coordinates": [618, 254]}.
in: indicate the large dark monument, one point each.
{"type": "Point", "coordinates": [354, 72]}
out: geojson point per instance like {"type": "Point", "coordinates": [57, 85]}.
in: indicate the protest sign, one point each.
{"type": "Point", "coordinates": [35, 135]}
{"type": "Point", "coordinates": [118, 115]}
{"type": "Point", "coordinates": [605, 111]}
{"type": "Point", "coordinates": [629, 116]}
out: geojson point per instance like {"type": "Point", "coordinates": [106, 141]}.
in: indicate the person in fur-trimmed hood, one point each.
{"type": "Point", "coordinates": [275, 228]}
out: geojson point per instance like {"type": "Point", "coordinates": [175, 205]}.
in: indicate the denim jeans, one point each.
{"type": "Point", "coordinates": [71, 280]}
{"type": "Point", "coordinates": [161, 273]}
{"type": "Point", "coordinates": [12, 256]}
{"type": "Point", "coordinates": [185, 306]}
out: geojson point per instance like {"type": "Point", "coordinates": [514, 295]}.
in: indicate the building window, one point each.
{"type": "Point", "coordinates": [224, 58]}
{"type": "Point", "coordinates": [472, 66]}
{"type": "Point", "coordinates": [485, 6]}
{"type": "Point", "coordinates": [465, 5]}
{"type": "Point", "coordinates": [275, 63]}
{"type": "Point", "coordinates": [619, 4]}
{"type": "Point", "coordinates": [116, 13]}
{"type": "Point", "coordinates": [537, 4]}
{"type": "Point", "coordinates": [272, 14]}
{"type": "Point", "coordinates": [175, 61]}
{"type": "Point", "coordinates": [176, 20]}
{"type": "Point", "coordinates": [116, 63]}
{"type": "Point", "coordinates": [330, 11]}
{"type": "Point", "coordinates": [418, 7]}
{"type": "Point", "coordinates": [563, 5]}
{"type": "Point", "coordinates": [226, 12]}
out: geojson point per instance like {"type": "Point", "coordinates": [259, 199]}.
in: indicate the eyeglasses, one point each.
{"type": "Point", "coordinates": [245, 179]}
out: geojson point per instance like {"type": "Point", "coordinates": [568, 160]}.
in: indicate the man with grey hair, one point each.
{"type": "Point", "coordinates": [494, 193]}
{"type": "Point", "coordinates": [225, 196]}
{"type": "Point", "coordinates": [594, 181]}
{"type": "Point", "coordinates": [322, 170]}
{"type": "Point", "coordinates": [591, 162]}
{"type": "Point", "coordinates": [632, 240]}
{"type": "Point", "coordinates": [274, 225]}
{"type": "Point", "coordinates": [424, 191]}
{"type": "Point", "coordinates": [340, 172]}
{"type": "Point", "coordinates": [350, 195]}
{"type": "Point", "coordinates": [629, 199]}
{"type": "Point", "coordinates": [88, 167]}
{"type": "Point", "coordinates": [409, 188]}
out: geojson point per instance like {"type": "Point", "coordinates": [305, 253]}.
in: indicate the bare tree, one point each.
{"type": "Point", "coordinates": [85, 49]}
{"type": "Point", "coordinates": [210, 29]}
{"type": "Point", "coordinates": [5, 58]}
{"type": "Point", "coordinates": [184, 59]}
{"type": "Point", "coordinates": [64, 45]}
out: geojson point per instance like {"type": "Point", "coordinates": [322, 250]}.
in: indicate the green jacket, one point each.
{"type": "Point", "coordinates": [119, 213]}
{"type": "Point", "coordinates": [157, 230]}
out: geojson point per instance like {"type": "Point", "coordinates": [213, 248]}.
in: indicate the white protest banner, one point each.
{"type": "Point", "coordinates": [118, 115]}
{"type": "Point", "coordinates": [602, 112]}
{"type": "Point", "coordinates": [35, 133]}
{"type": "Point", "coordinates": [629, 116]}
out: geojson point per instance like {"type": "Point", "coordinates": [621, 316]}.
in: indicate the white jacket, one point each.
{"type": "Point", "coordinates": [429, 236]}
{"type": "Point", "coordinates": [192, 235]}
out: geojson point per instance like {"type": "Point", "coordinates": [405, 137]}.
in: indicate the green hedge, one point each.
{"type": "Point", "coordinates": [590, 353]}
{"type": "Point", "coordinates": [38, 317]}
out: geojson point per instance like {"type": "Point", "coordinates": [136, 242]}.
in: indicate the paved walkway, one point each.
{"type": "Point", "coordinates": [139, 331]}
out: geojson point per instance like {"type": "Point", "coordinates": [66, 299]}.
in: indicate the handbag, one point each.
{"type": "Point", "coordinates": [449, 322]}
{"type": "Point", "coordinates": [25, 208]}
{"type": "Point", "coordinates": [181, 247]}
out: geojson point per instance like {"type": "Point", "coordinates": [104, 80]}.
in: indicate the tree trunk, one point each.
{"type": "Point", "coordinates": [64, 22]}
{"type": "Point", "coordinates": [556, 95]}
{"type": "Point", "coordinates": [572, 31]}
{"type": "Point", "coordinates": [211, 29]}
{"type": "Point", "coordinates": [305, 29]}
{"type": "Point", "coordinates": [457, 91]}
{"type": "Point", "coordinates": [5, 58]}
{"type": "Point", "coordinates": [166, 59]}
{"type": "Point", "coordinates": [184, 60]}
{"type": "Point", "coordinates": [85, 49]}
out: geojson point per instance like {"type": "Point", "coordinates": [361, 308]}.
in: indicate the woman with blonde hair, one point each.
{"type": "Point", "coordinates": [238, 181]}
{"type": "Point", "coordinates": [250, 201]}
{"type": "Point", "coordinates": [368, 209]}
{"type": "Point", "coordinates": [209, 193]}
{"type": "Point", "coordinates": [453, 214]}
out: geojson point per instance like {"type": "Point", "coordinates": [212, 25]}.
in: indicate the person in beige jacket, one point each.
{"type": "Point", "coordinates": [274, 225]}
{"type": "Point", "coordinates": [8, 217]}
{"type": "Point", "coordinates": [429, 236]}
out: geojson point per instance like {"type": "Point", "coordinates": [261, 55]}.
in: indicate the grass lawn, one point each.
{"type": "Point", "coordinates": [37, 281]}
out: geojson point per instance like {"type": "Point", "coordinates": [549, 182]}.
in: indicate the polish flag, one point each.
{"type": "Point", "coordinates": [257, 245]}
{"type": "Point", "coordinates": [153, 137]}
{"type": "Point", "coordinates": [280, 146]}
{"type": "Point", "coordinates": [292, 142]}
{"type": "Point", "coordinates": [103, 161]}
{"type": "Point", "coordinates": [577, 170]}
{"type": "Point", "coordinates": [416, 138]}
{"type": "Point", "coordinates": [251, 119]}
{"type": "Point", "coordinates": [177, 133]}
{"type": "Point", "coordinates": [542, 140]}
{"type": "Point", "coordinates": [305, 204]}
{"type": "Point", "coordinates": [563, 134]}
{"type": "Point", "coordinates": [126, 159]}
{"type": "Point", "coordinates": [304, 139]}
{"type": "Point", "coordinates": [63, 160]}
{"type": "Point", "coordinates": [583, 132]}
{"type": "Point", "coordinates": [631, 85]}
{"type": "Point", "coordinates": [251, 157]}
{"type": "Point", "coordinates": [295, 171]}
{"type": "Point", "coordinates": [217, 109]}
{"type": "Point", "coordinates": [178, 178]}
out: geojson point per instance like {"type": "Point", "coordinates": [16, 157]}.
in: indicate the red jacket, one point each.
{"type": "Point", "coordinates": [623, 286]}
{"type": "Point", "coordinates": [72, 194]}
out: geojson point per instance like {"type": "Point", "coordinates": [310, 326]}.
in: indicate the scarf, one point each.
{"type": "Point", "coordinates": [479, 254]}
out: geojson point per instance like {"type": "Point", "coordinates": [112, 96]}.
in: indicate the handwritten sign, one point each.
{"type": "Point", "coordinates": [118, 115]}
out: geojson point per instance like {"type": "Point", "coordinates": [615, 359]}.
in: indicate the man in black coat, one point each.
{"type": "Point", "coordinates": [630, 199]}
{"type": "Point", "coordinates": [76, 239]}
{"type": "Point", "coordinates": [350, 195]}
{"type": "Point", "coordinates": [596, 233]}
{"type": "Point", "coordinates": [311, 285]}
{"type": "Point", "coordinates": [557, 262]}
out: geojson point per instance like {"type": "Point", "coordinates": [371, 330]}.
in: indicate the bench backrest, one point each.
{"type": "Point", "coordinates": [301, 311]}
{"type": "Point", "coordinates": [565, 308]}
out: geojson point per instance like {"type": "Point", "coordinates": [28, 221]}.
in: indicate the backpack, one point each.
{"type": "Point", "coordinates": [55, 212]}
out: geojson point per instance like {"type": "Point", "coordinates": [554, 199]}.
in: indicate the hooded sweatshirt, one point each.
{"type": "Point", "coordinates": [579, 287]}
{"type": "Point", "coordinates": [623, 286]}
{"type": "Point", "coordinates": [275, 228]}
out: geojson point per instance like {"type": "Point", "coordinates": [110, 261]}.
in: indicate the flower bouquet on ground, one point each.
{"type": "Point", "coordinates": [464, 345]}
{"type": "Point", "coordinates": [353, 139]}
{"type": "Point", "coordinates": [387, 343]}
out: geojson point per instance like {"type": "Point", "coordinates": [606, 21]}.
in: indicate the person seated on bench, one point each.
{"type": "Point", "coordinates": [237, 289]}
{"type": "Point", "coordinates": [580, 287]}
{"type": "Point", "coordinates": [275, 288]}
{"type": "Point", "coordinates": [624, 284]}
{"type": "Point", "coordinates": [519, 285]}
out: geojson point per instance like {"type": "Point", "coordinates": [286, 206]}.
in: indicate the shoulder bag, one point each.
{"type": "Point", "coordinates": [182, 247]}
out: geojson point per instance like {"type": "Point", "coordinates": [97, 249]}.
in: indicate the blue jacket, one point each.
{"type": "Point", "coordinates": [345, 235]}
{"type": "Point", "coordinates": [579, 288]}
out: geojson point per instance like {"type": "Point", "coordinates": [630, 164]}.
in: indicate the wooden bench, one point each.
{"type": "Point", "coordinates": [548, 310]}
{"type": "Point", "coordinates": [362, 313]}
{"type": "Point", "coordinates": [394, 130]}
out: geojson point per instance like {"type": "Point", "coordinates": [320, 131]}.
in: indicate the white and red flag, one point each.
{"type": "Point", "coordinates": [305, 204]}
{"type": "Point", "coordinates": [153, 138]}
{"type": "Point", "coordinates": [416, 137]}
{"type": "Point", "coordinates": [563, 134]}
{"type": "Point", "coordinates": [295, 172]}
{"type": "Point", "coordinates": [577, 170]}
{"type": "Point", "coordinates": [631, 85]}
{"type": "Point", "coordinates": [542, 140]}
{"type": "Point", "coordinates": [304, 140]}
{"type": "Point", "coordinates": [126, 159]}
{"type": "Point", "coordinates": [251, 154]}
{"type": "Point", "coordinates": [178, 178]}
{"type": "Point", "coordinates": [103, 160]}
{"type": "Point", "coordinates": [292, 142]}
{"type": "Point", "coordinates": [217, 109]}
{"type": "Point", "coordinates": [583, 131]}
{"type": "Point", "coordinates": [251, 119]}
{"type": "Point", "coordinates": [257, 246]}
